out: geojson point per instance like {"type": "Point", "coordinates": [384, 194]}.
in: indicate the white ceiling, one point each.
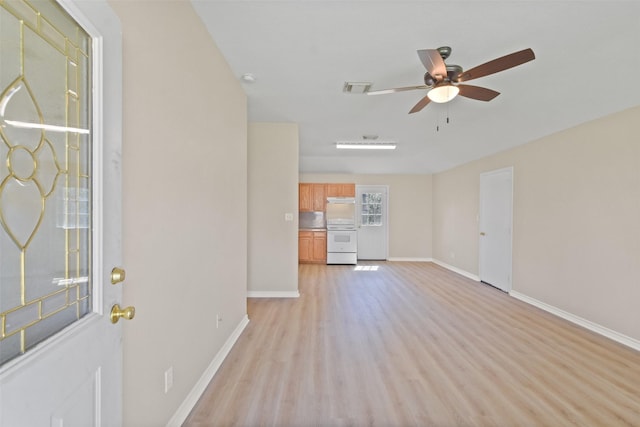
{"type": "Point", "coordinates": [302, 53]}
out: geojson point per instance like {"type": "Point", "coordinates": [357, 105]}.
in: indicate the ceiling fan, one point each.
{"type": "Point", "coordinates": [443, 80]}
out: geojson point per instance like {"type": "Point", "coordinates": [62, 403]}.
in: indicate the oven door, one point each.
{"type": "Point", "coordinates": [342, 241]}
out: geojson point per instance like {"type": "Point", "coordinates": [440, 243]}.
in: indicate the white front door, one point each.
{"type": "Point", "coordinates": [60, 234]}
{"type": "Point", "coordinates": [496, 204]}
{"type": "Point", "coordinates": [372, 221]}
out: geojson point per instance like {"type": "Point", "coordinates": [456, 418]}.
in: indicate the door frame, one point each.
{"type": "Point", "coordinates": [481, 216]}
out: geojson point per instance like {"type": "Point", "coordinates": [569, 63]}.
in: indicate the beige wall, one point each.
{"type": "Point", "coordinates": [409, 210]}
{"type": "Point", "coordinates": [576, 235]}
{"type": "Point", "coordinates": [184, 204]}
{"type": "Point", "coordinates": [273, 192]}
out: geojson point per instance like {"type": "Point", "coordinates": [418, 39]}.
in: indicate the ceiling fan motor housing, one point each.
{"type": "Point", "coordinates": [453, 71]}
{"type": "Point", "coordinates": [444, 52]}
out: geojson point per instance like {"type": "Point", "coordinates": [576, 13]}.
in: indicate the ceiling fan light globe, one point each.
{"type": "Point", "coordinates": [443, 93]}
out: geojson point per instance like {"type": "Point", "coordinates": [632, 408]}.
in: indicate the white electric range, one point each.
{"type": "Point", "coordinates": [342, 238]}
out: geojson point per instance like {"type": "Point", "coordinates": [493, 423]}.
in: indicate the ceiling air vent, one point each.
{"type": "Point", "coordinates": [356, 87]}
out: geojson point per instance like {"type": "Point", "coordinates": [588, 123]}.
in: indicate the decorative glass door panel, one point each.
{"type": "Point", "coordinates": [45, 174]}
{"type": "Point", "coordinates": [371, 209]}
{"type": "Point", "coordinates": [372, 227]}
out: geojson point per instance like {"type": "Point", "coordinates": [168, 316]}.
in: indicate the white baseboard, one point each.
{"type": "Point", "coordinates": [401, 259]}
{"type": "Point", "coordinates": [594, 327]}
{"type": "Point", "coordinates": [457, 270]}
{"type": "Point", "coordinates": [273, 294]}
{"type": "Point", "coordinates": [192, 398]}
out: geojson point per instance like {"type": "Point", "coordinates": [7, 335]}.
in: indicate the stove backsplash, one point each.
{"type": "Point", "coordinates": [312, 220]}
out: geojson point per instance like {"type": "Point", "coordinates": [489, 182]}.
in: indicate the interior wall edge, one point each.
{"type": "Point", "coordinates": [273, 294]}
{"type": "Point", "coordinates": [199, 387]}
{"type": "Point", "coordinates": [592, 326]}
{"type": "Point", "coordinates": [460, 271]}
{"type": "Point", "coordinates": [272, 197]}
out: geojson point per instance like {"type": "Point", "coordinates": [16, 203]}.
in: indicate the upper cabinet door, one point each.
{"type": "Point", "coordinates": [333, 190]}
{"type": "Point", "coordinates": [319, 197]}
{"type": "Point", "coordinates": [348, 190]}
{"type": "Point", "coordinates": [305, 200]}
{"type": "Point", "coordinates": [341, 190]}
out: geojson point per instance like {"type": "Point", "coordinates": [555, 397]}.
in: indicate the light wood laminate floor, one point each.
{"type": "Point", "coordinates": [412, 344]}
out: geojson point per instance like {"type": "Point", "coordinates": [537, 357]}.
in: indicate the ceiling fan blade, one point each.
{"type": "Point", "coordinates": [434, 63]}
{"type": "Point", "coordinates": [420, 105]}
{"type": "Point", "coordinates": [499, 64]}
{"type": "Point", "coordinates": [397, 89]}
{"type": "Point", "coordinates": [477, 92]}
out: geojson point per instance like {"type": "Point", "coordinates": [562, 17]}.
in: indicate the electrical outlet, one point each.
{"type": "Point", "coordinates": [168, 379]}
{"type": "Point", "coordinates": [288, 217]}
{"type": "Point", "coordinates": [218, 320]}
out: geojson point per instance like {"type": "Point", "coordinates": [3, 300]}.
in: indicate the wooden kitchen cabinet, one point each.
{"type": "Point", "coordinates": [312, 247]}
{"type": "Point", "coordinates": [311, 197]}
{"type": "Point", "coordinates": [341, 190]}
{"type": "Point", "coordinates": [319, 197]}
{"type": "Point", "coordinates": [305, 197]}
{"type": "Point", "coordinates": [320, 247]}
{"type": "Point", "coordinates": [305, 246]}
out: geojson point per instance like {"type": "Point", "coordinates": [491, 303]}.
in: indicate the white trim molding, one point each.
{"type": "Point", "coordinates": [594, 327]}
{"type": "Point", "coordinates": [409, 259]}
{"type": "Point", "coordinates": [192, 398]}
{"type": "Point", "coordinates": [461, 272]}
{"type": "Point", "coordinates": [273, 294]}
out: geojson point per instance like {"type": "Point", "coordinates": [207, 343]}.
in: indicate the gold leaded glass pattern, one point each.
{"type": "Point", "coordinates": [371, 212]}
{"type": "Point", "coordinates": [45, 173]}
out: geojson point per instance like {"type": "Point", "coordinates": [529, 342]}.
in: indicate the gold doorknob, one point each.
{"type": "Point", "coordinates": [117, 312]}
{"type": "Point", "coordinates": [482, 233]}
{"type": "Point", "coordinates": [117, 275]}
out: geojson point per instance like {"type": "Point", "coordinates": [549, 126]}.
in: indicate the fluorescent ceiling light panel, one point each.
{"type": "Point", "coordinates": [358, 145]}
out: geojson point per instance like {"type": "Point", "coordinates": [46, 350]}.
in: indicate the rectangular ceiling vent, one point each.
{"type": "Point", "coordinates": [356, 87]}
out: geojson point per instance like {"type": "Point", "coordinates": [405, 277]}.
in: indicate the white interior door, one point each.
{"type": "Point", "coordinates": [372, 222]}
{"type": "Point", "coordinates": [496, 205]}
{"type": "Point", "coordinates": [60, 128]}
